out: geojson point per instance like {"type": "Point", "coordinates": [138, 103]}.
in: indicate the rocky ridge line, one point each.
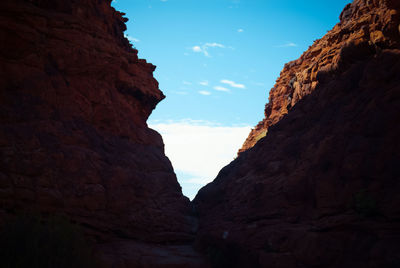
{"type": "Point", "coordinates": [365, 25]}
{"type": "Point", "coordinates": [321, 188]}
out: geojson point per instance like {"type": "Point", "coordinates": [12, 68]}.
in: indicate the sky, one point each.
{"type": "Point", "coordinates": [216, 62]}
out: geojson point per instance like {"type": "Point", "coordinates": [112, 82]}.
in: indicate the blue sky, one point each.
{"type": "Point", "coordinates": [216, 62]}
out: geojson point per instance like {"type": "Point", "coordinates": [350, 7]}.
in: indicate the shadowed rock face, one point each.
{"type": "Point", "coordinates": [319, 190]}
{"type": "Point", "coordinates": [74, 101]}
{"type": "Point", "coordinates": [322, 188]}
{"type": "Point", "coordinates": [365, 26]}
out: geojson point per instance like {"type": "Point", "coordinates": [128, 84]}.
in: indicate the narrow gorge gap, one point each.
{"type": "Point", "coordinates": [215, 64]}
{"type": "Point", "coordinates": [84, 181]}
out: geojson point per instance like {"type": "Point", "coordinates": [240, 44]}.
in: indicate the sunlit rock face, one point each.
{"type": "Point", "coordinates": [74, 100]}
{"type": "Point", "coordinates": [321, 189]}
{"type": "Point", "coordinates": [364, 27]}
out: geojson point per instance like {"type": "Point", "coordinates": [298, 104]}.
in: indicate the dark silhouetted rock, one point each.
{"type": "Point", "coordinates": [74, 100]}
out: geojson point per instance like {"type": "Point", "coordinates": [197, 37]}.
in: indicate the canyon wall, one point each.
{"type": "Point", "coordinates": [74, 101]}
{"type": "Point", "coordinates": [363, 24]}
{"type": "Point", "coordinates": [316, 183]}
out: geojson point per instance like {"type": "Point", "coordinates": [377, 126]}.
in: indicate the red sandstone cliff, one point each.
{"type": "Point", "coordinates": [321, 189]}
{"type": "Point", "coordinates": [361, 28]}
{"type": "Point", "coordinates": [74, 100]}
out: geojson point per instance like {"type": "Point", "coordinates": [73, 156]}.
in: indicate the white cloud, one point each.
{"type": "Point", "coordinates": [132, 39]}
{"type": "Point", "coordinates": [200, 149]}
{"type": "Point", "coordinates": [214, 45]}
{"type": "Point", "coordinates": [197, 49]}
{"type": "Point", "coordinates": [204, 48]}
{"type": "Point", "coordinates": [203, 92]}
{"type": "Point", "coordinates": [204, 83]}
{"type": "Point", "coordinates": [240, 30]}
{"type": "Point", "coordinates": [288, 44]}
{"type": "Point", "coordinates": [219, 88]}
{"type": "Point", "coordinates": [186, 83]}
{"type": "Point", "coordinates": [232, 83]}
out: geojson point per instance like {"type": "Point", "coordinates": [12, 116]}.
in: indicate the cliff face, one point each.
{"type": "Point", "coordinates": [74, 101]}
{"type": "Point", "coordinates": [321, 189]}
{"type": "Point", "coordinates": [364, 27]}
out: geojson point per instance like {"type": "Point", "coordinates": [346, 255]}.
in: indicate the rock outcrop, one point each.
{"type": "Point", "coordinates": [321, 189]}
{"type": "Point", "coordinates": [365, 26]}
{"type": "Point", "coordinates": [74, 100]}
{"type": "Point", "coordinates": [315, 185]}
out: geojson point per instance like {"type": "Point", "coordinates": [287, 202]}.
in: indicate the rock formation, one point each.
{"type": "Point", "coordinates": [74, 100]}
{"type": "Point", "coordinates": [321, 189]}
{"type": "Point", "coordinates": [315, 185]}
{"type": "Point", "coordinates": [363, 24]}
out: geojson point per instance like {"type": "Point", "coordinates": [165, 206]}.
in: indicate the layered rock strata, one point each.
{"type": "Point", "coordinates": [74, 100]}
{"type": "Point", "coordinates": [364, 26]}
{"type": "Point", "coordinates": [321, 188]}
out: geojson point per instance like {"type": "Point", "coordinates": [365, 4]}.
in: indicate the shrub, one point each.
{"type": "Point", "coordinates": [364, 204]}
{"type": "Point", "coordinates": [261, 135]}
{"type": "Point", "coordinates": [33, 241]}
{"type": "Point", "coordinates": [221, 256]}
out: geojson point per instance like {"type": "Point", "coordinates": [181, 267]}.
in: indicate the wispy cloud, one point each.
{"type": "Point", "coordinates": [186, 83]}
{"type": "Point", "coordinates": [240, 30]}
{"type": "Point", "coordinates": [205, 93]}
{"type": "Point", "coordinates": [219, 88]}
{"type": "Point", "coordinates": [204, 48]}
{"type": "Point", "coordinates": [197, 49]}
{"type": "Point", "coordinates": [232, 83]}
{"type": "Point", "coordinates": [214, 45]}
{"type": "Point", "coordinates": [200, 149]}
{"type": "Point", "coordinates": [131, 39]}
{"type": "Point", "coordinates": [288, 44]}
{"type": "Point", "coordinates": [204, 83]}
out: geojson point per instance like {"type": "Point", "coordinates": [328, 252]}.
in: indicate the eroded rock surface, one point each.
{"type": "Point", "coordinates": [365, 28]}
{"type": "Point", "coordinates": [74, 100]}
{"type": "Point", "coordinates": [321, 189]}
